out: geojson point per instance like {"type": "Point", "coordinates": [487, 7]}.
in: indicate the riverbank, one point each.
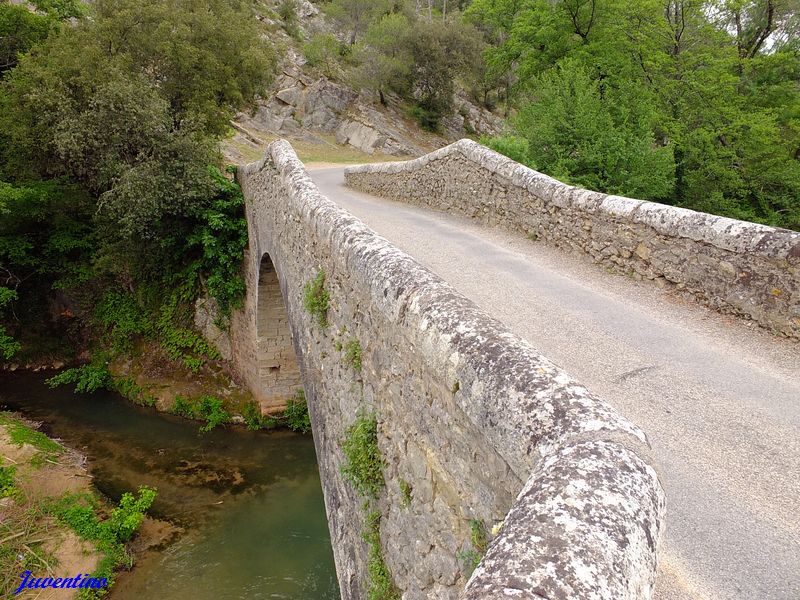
{"type": "Point", "coordinates": [51, 516]}
{"type": "Point", "coordinates": [248, 503]}
{"type": "Point", "coordinates": [208, 391]}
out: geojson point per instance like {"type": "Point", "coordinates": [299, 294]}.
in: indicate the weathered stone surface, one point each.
{"type": "Point", "coordinates": [468, 414]}
{"type": "Point", "coordinates": [733, 266]}
{"type": "Point", "coordinates": [587, 512]}
{"type": "Point", "coordinates": [206, 314]}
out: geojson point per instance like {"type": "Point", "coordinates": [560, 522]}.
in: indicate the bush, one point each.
{"type": "Point", "coordinates": [296, 414]}
{"type": "Point", "coordinates": [353, 354]}
{"type": "Point", "coordinates": [316, 299]}
{"type": "Point", "coordinates": [363, 461]}
{"type": "Point", "coordinates": [87, 378]}
{"type": "Point", "coordinates": [126, 519]}
{"type": "Point", "coordinates": [323, 52]}
{"type": "Point", "coordinates": [287, 11]}
{"type": "Point", "coordinates": [428, 119]}
{"type": "Point", "coordinates": [206, 408]}
{"type": "Point", "coordinates": [210, 409]}
{"type": "Point", "coordinates": [514, 147]}
{"type": "Point", "coordinates": [80, 513]}
{"type": "Point", "coordinates": [183, 407]}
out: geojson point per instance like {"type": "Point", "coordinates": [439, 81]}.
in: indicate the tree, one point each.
{"type": "Point", "coordinates": [20, 30]}
{"type": "Point", "coordinates": [386, 59]}
{"type": "Point", "coordinates": [592, 139]}
{"type": "Point", "coordinates": [354, 16]}
{"type": "Point", "coordinates": [441, 52]}
{"type": "Point", "coordinates": [755, 22]}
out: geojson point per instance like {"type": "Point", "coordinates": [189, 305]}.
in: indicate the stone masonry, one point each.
{"type": "Point", "coordinates": [733, 266]}
{"type": "Point", "coordinates": [278, 371]}
{"type": "Point", "coordinates": [478, 424]}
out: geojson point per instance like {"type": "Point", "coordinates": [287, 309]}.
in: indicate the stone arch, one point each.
{"type": "Point", "coordinates": [278, 369]}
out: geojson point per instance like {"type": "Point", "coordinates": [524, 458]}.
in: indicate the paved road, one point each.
{"type": "Point", "coordinates": [720, 399]}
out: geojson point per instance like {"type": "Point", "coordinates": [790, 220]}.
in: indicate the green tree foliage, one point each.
{"type": "Point", "coordinates": [8, 345]}
{"type": "Point", "coordinates": [20, 29]}
{"type": "Point", "coordinates": [596, 142]}
{"type": "Point", "coordinates": [386, 60]}
{"type": "Point", "coordinates": [440, 52]}
{"type": "Point", "coordinates": [354, 16]}
{"type": "Point", "coordinates": [323, 52]}
{"type": "Point", "coordinates": [107, 134]}
{"type": "Point", "coordinates": [610, 94]}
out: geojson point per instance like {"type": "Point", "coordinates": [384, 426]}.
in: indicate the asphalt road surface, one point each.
{"type": "Point", "coordinates": [718, 397]}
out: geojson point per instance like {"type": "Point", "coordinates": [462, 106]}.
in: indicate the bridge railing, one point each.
{"type": "Point", "coordinates": [733, 266]}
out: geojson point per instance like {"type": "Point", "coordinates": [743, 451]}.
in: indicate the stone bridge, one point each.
{"type": "Point", "coordinates": [474, 425]}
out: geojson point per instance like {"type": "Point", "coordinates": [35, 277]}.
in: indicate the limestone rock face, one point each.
{"type": "Point", "coordinates": [206, 313]}
{"type": "Point", "coordinates": [300, 105]}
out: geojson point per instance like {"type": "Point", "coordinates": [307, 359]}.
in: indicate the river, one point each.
{"type": "Point", "coordinates": [250, 502]}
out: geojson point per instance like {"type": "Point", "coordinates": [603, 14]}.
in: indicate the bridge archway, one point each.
{"type": "Point", "coordinates": [278, 368]}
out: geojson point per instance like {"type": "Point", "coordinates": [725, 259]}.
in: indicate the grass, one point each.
{"type": "Point", "coordinates": [325, 151]}
{"type": "Point", "coordinates": [19, 434]}
{"type": "Point", "coordinates": [30, 520]}
{"type": "Point", "coordinates": [23, 530]}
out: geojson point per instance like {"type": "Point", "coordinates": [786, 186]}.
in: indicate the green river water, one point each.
{"type": "Point", "coordinates": [250, 502]}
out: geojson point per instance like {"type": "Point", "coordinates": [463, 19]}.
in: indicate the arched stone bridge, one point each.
{"type": "Point", "coordinates": [479, 426]}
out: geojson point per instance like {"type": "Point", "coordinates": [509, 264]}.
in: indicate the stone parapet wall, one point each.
{"type": "Point", "coordinates": [733, 266]}
{"type": "Point", "coordinates": [477, 424]}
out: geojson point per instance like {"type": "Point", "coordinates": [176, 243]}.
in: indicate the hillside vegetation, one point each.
{"type": "Point", "coordinates": [116, 208]}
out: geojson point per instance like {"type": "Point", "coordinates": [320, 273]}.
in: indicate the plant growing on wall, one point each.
{"type": "Point", "coordinates": [352, 354]}
{"type": "Point", "coordinates": [479, 539]}
{"type": "Point", "coordinates": [363, 461]}
{"type": "Point", "coordinates": [316, 299]}
{"type": "Point", "coordinates": [296, 413]}
{"type": "Point", "coordinates": [405, 493]}
{"type": "Point", "coordinates": [381, 586]}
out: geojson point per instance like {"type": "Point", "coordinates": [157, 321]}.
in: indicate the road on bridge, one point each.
{"type": "Point", "coordinates": [718, 397]}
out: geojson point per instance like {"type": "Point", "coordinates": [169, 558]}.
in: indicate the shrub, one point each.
{"type": "Point", "coordinates": [316, 299]}
{"type": "Point", "coordinates": [296, 414]}
{"type": "Point", "coordinates": [352, 354]}
{"type": "Point", "coordinates": [514, 147]}
{"type": "Point", "coordinates": [324, 52]}
{"type": "Point", "coordinates": [80, 513]}
{"type": "Point", "coordinates": [210, 409]}
{"type": "Point", "coordinates": [183, 407]}
{"type": "Point", "coordinates": [126, 519]}
{"type": "Point", "coordinates": [87, 378]}
{"type": "Point", "coordinates": [428, 119]}
{"type": "Point", "coordinates": [363, 461]}
{"type": "Point", "coordinates": [380, 585]}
